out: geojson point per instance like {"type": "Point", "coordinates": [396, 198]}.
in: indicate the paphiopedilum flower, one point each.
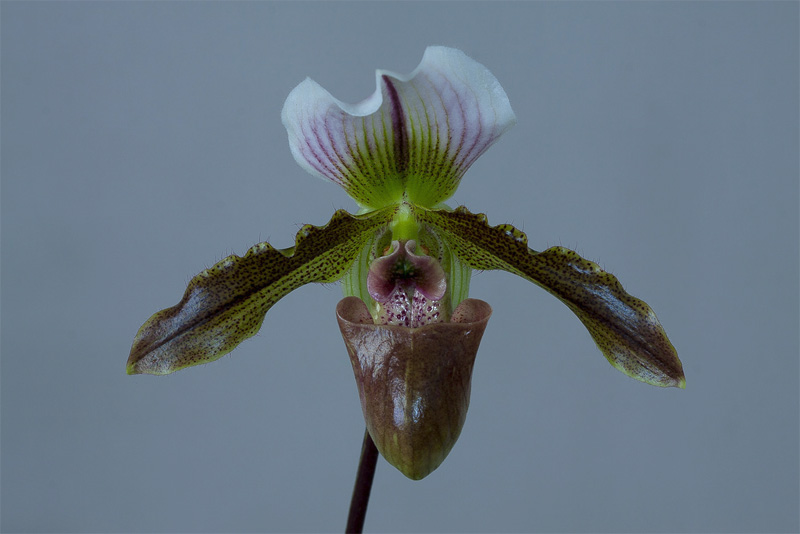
{"type": "Point", "coordinates": [404, 260]}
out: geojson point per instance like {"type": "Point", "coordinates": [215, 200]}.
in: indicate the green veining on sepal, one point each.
{"type": "Point", "coordinates": [226, 304]}
{"type": "Point", "coordinates": [460, 276]}
{"type": "Point", "coordinates": [354, 281]}
{"type": "Point", "coordinates": [458, 272]}
{"type": "Point", "coordinates": [624, 328]}
{"type": "Point", "coordinates": [432, 176]}
{"type": "Point", "coordinates": [373, 180]}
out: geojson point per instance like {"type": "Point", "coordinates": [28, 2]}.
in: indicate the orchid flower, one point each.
{"type": "Point", "coordinates": [404, 260]}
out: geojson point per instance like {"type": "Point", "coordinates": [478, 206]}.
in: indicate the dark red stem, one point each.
{"type": "Point", "coordinates": [363, 486]}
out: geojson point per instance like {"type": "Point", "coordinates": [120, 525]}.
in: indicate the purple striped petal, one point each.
{"type": "Point", "coordinates": [413, 139]}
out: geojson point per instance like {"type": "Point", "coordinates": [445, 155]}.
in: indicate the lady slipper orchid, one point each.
{"type": "Point", "coordinates": [404, 259]}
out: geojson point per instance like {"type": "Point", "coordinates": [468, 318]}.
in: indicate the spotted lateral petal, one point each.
{"type": "Point", "coordinates": [226, 304]}
{"type": "Point", "coordinates": [413, 138]}
{"type": "Point", "coordinates": [625, 328]}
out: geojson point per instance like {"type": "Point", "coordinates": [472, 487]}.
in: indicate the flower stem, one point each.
{"type": "Point", "coordinates": [363, 485]}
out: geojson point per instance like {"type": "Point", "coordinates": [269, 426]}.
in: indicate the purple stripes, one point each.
{"type": "Point", "coordinates": [411, 139]}
{"type": "Point", "coordinates": [398, 126]}
{"type": "Point", "coordinates": [320, 150]}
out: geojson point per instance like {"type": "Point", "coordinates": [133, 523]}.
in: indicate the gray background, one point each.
{"type": "Point", "coordinates": [141, 143]}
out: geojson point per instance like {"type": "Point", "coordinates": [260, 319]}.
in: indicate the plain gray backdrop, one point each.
{"type": "Point", "coordinates": [142, 142]}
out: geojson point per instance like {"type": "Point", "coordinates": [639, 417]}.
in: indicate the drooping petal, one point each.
{"type": "Point", "coordinates": [415, 136]}
{"type": "Point", "coordinates": [624, 328]}
{"type": "Point", "coordinates": [226, 304]}
{"type": "Point", "coordinates": [414, 383]}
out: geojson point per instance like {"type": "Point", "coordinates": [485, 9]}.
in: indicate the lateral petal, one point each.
{"type": "Point", "coordinates": [625, 329]}
{"type": "Point", "coordinates": [226, 304]}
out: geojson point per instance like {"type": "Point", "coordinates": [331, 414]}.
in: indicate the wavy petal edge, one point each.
{"type": "Point", "coordinates": [415, 135]}
{"type": "Point", "coordinates": [624, 328]}
{"type": "Point", "coordinates": [226, 304]}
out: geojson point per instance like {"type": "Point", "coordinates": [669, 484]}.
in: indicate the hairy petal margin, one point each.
{"type": "Point", "coordinates": [625, 329]}
{"type": "Point", "coordinates": [226, 304]}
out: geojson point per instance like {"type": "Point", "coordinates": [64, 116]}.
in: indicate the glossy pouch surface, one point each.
{"type": "Point", "coordinates": [414, 383]}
